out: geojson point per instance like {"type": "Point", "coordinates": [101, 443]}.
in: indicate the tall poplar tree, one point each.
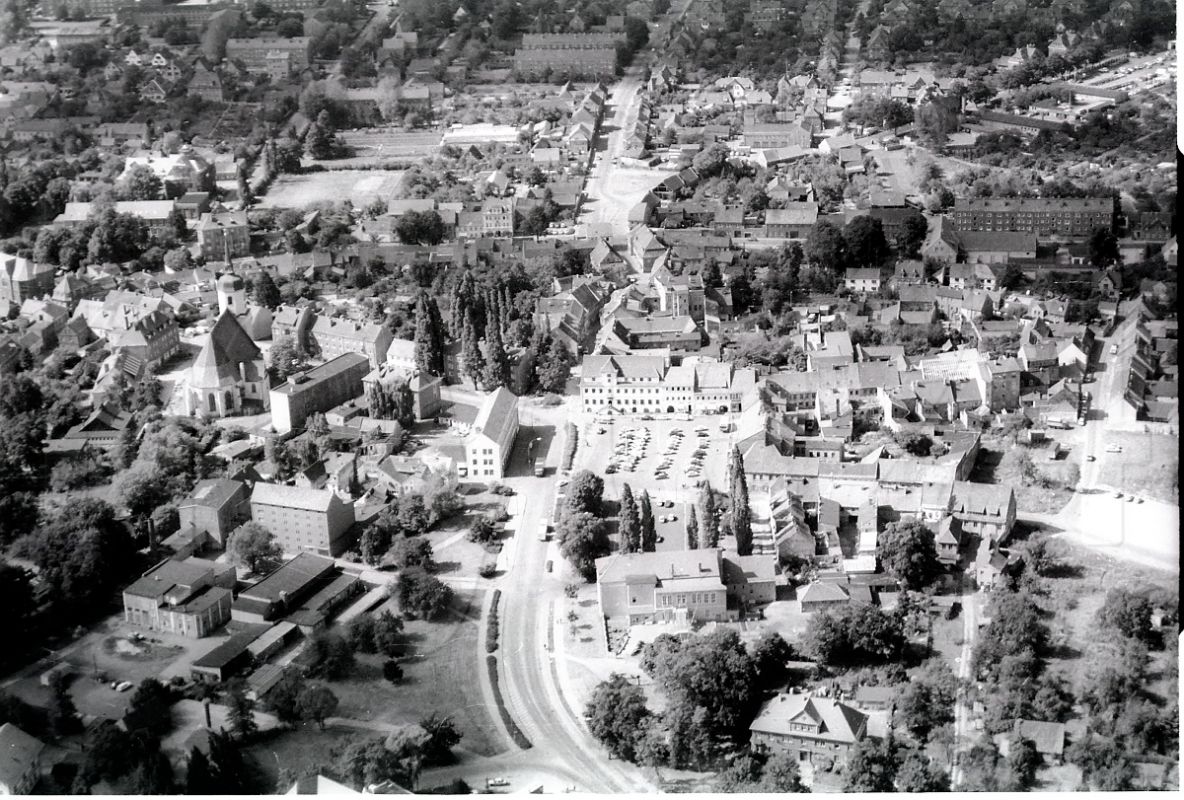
{"type": "Point", "coordinates": [649, 536]}
{"type": "Point", "coordinates": [708, 522]}
{"type": "Point", "coordinates": [629, 522]}
{"type": "Point", "coordinates": [497, 363]}
{"type": "Point", "coordinates": [429, 339]}
{"type": "Point", "coordinates": [470, 352]}
{"type": "Point", "coordinates": [740, 513]}
{"type": "Point", "coordinates": [692, 530]}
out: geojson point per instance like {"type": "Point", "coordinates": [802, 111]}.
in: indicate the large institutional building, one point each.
{"type": "Point", "coordinates": [649, 385]}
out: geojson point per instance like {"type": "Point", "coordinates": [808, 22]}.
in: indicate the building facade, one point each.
{"type": "Point", "coordinates": [1043, 216]}
{"type": "Point", "coordinates": [491, 441]}
{"type": "Point", "coordinates": [303, 520]}
{"type": "Point", "coordinates": [317, 390]}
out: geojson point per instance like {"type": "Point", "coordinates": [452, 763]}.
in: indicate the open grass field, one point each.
{"type": "Point", "coordinates": [359, 186]}
{"type": "Point", "coordinates": [1148, 465]}
{"type": "Point", "coordinates": [440, 675]}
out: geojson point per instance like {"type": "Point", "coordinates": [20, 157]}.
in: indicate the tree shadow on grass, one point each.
{"type": "Point", "coordinates": [1064, 652]}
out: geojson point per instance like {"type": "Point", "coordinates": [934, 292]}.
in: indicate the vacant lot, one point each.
{"type": "Point", "coordinates": [999, 463]}
{"type": "Point", "coordinates": [440, 675]}
{"type": "Point", "coordinates": [359, 186]}
{"type": "Point", "coordinates": [1148, 465]}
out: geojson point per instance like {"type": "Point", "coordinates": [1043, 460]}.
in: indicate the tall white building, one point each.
{"type": "Point", "coordinates": [489, 444]}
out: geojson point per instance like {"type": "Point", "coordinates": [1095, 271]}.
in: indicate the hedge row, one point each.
{"type": "Point", "coordinates": [491, 632]}
{"type": "Point", "coordinates": [515, 732]}
{"type": "Point", "coordinates": [569, 449]}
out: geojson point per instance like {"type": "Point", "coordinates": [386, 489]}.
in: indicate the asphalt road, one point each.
{"type": "Point", "coordinates": [527, 674]}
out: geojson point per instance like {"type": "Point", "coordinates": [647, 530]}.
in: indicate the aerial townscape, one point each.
{"type": "Point", "coordinates": [608, 396]}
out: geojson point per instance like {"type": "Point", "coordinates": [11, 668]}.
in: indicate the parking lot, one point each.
{"type": "Point", "coordinates": [667, 457]}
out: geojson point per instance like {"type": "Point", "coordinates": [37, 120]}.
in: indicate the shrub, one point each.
{"type": "Point", "coordinates": [492, 628]}
{"type": "Point", "coordinates": [515, 732]}
{"type": "Point", "coordinates": [569, 449]}
{"type": "Point", "coordinates": [488, 570]}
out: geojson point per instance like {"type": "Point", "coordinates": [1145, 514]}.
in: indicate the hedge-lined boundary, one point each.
{"type": "Point", "coordinates": [491, 630]}
{"type": "Point", "coordinates": [569, 448]}
{"type": "Point", "coordinates": [515, 732]}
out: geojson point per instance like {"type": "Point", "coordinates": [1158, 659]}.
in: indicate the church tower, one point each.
{"type": "Point", "coordinates": [232, 294]}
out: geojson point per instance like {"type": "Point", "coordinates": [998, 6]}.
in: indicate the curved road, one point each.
{"type": "Point", "coordinates": [526, 664]}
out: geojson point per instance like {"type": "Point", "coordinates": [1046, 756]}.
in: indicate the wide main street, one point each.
{"type": "Point", "coordinates": [563, 754]}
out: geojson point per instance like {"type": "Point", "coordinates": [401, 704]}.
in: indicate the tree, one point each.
{"type": "Point", "coordinates": [770, 655]}
{"type": "Point", "coordinates": [1103, 248]}
{"type": "Point", "coordinates": [420, 227]}
{"type": "Point", "coordinates": [329, 656]}
{"type": "Point", "coordinates": [150, 709]}
{"type": "Point", "coordinates": [82, 553]}
{"type": "Point", "coordinates": [616, 715]}
{"type": "Point", "coordinates": [141, 489]}
{"type": "Point", "coordinates": [63, 714]}
{"type": "Point", "coordinates": [553, 367]}
{"type": "Point", "coordinates": [391, 671]}
{"type": "Point", "coordinates": [713, 672]}
{"type": "Point", "coordinates": [139, 182]}
{"type": "Point", "coordinates": [14, 20]}
{"type": "Point", "coordinates": [585, 493]}
{"type": "Point", "coordinates": [909, 553]}
{"type": "Point", "coordinates": [264, 292]}
{"type": "Point", "coordinates": [373, 761]}
{"type": "Point", "coordinates": [934, 122]}
{"type": "Point", "coordinates": [1105, 765]}
{"type": "Point", "coordinates": [429, 336]}
{"type": "Point", "coordinates": [856, 635]}
{"type": "Point", "coordinates": [1016, 627]}
{"type": "Point", "coordinates": [628, 526]}
{"type": "Point", "coordinates": [645, 513]}
{"type": "Point", "coordinates": [825, 246]}
{"type": "Point", "coordinates": [442, 737]}
{"type": "Point", "coordinates": [739, 513]}
{"type": "Point", "coordinates": [917, 774]}
{"type": "Point", "coordinates": [285, 358]}
{"type": "Point", "coordinates": [927, 701]}
{"type": "Point", "coordinates": [254, 547]}
{"type": "Point", "coordinates": [872, 766]}
{"type": "Point", "coordinates": [412, 552]}
{"type": "Point", "coordinates": [692, 529]}
{"type": "Point", "coordinates": [496, 371]}
{"type": "Point", "coordinates": [199, 774]}
{"type": "Point", "coordinates": [471, 358]}
{"type": "Point", "coordinates": [242, 711]}
{"type": "Point", "coordinates": [866, 245]}
{"type": "Point", "coordinates": [911, 236]}
{"type": "Point", "coordinates": [780, 774]}
{"type": "Point", "coordinates": [1127, 612]}
{"type": "Point", "coordinates": [319, 141]}
{"type": "Point", "coordinates": [422, 594]}
{"type": "Point", "coordinates": [1023, 760]}
{"type": "Point", "coordinates": [582, 540]}
{"type": "Point", "coordinates": [281, 700]}
{"type": "Point", "coordinates": [709, 522]}
{"type": "Point", "coordinates": [316, 703]}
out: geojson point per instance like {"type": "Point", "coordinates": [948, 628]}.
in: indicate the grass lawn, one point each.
{"type": "Point", "coordinates": [358, 186]}
{"type": "Point", "coordinates": [294, 751]}
{"type": "Point", "coordinates": [440, 675]}
{"type": "Point", "coordinates": [1149, 464]}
